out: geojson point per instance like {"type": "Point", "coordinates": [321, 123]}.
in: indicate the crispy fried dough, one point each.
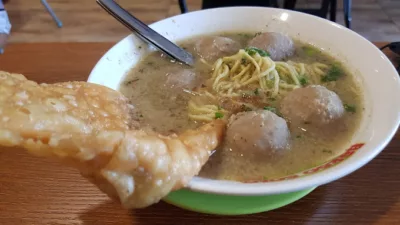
{"type": "Point", "coordinates": [87, 126]}
{"type": "Point", "coordinates": [63, 107]}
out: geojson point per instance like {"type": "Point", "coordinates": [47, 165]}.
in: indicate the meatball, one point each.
{"type": "Point", "coordinates": [278, 45]}
{"type": "Point", "coordinates": [257, 132]}
{"type": "Point", "coordinates": [213, 47]}
{"type": "Point", "coordinates": [314, 105]}
{"type": "Point", "coordinates": [179, 79]}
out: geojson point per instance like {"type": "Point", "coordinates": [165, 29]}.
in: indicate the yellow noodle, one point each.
{"type": "Point", "coordinates": [204, 117]}
{"type": "Point", "coordinates": [242, 71]}
{"type": "Point", "coordinates": [205, 62]}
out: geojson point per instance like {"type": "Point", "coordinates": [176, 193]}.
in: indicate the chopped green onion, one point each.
{"type": "Point", "coordinates": [334, 73]}
{"type": "Point", "coordinates": [246, 35]}
{"type": "Point", "coordinates": [350, 108]}
{"type": "Point", "coordinates": [219, 115]}
{"type": "Point", "coordinates": [310, 51]}
{"type": "Point", "coordinates": [256, 92]}
{"type": "Point", "coordinates": [303, 80]}
{"type": "Point", "coordinates": [253, 51]}
{"type": "Point", "coordinates": [269, 108]}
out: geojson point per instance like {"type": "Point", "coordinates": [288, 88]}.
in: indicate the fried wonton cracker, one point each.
{"type": "Point", "coordinates": [87, 126]}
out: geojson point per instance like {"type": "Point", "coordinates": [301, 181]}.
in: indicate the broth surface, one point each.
{"type": "Point", "coordinates": [164, 109]}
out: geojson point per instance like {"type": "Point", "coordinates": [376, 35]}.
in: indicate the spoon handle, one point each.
{"type": "Point", "coordinates": [146, 32]}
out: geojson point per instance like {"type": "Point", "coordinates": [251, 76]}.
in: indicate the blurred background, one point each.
{"type": "Point", "coordinates": [85, 21]}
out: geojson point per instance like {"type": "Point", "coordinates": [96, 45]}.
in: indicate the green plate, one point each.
{"type": "Point", "coordinates": [231, 205]}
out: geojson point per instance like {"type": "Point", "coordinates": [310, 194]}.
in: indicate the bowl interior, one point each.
{"type": "Point", "coordinates": [361, 57]}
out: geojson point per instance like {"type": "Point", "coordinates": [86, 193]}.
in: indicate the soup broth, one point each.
{"type": "Point", "coordinates": [161, 105]}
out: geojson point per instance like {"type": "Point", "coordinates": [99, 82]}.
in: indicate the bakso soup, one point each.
{"type": "Point", "coordinates": [288, 105]}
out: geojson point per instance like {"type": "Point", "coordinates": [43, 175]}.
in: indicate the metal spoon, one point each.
{"type": "Point", "coordinates": [146, 32]}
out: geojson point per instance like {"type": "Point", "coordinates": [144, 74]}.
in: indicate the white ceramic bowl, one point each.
{"type": "Point", "coordinates": [377, 75]}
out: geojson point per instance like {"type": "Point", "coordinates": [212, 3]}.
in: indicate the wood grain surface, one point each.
{"type": "Point", "coordinates": [40, 191]}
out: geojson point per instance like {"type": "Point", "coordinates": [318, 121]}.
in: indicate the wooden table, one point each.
{"type": "Point", "coordinates": [40, 191]}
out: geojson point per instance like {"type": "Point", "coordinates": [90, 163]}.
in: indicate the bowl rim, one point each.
{"type": "Point", "coordinates": [199, 184]}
